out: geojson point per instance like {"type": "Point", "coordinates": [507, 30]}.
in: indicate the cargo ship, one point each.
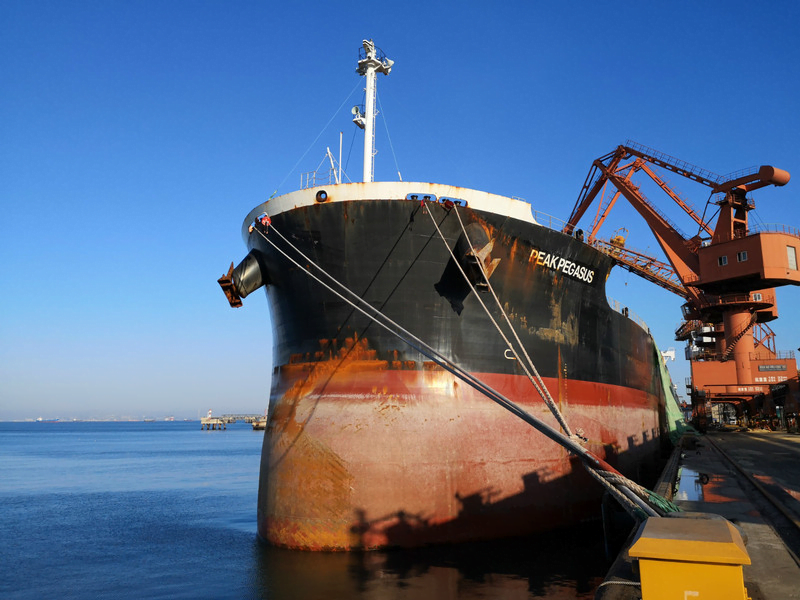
{"type": "Point", "coordinates": [371, 444]}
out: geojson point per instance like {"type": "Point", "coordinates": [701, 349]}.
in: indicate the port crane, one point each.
{"type": "Point", "coordinates": [727, 272]}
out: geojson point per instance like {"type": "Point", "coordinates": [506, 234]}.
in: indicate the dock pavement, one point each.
{"type": "Point", "coordinates": [751, 478]}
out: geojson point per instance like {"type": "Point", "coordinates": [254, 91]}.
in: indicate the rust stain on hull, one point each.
{"type": "Point", "coordinates": [353, 459]}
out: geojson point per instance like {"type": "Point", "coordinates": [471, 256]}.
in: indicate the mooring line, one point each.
{"type": "Point", "coordinates": [423, 348]}
{"type": "Point", "coordinates": [548, 398]}
{"type": "Point", "coordinates": [538, 384]}
{"type": "Point", "coordinates": [592, 461]}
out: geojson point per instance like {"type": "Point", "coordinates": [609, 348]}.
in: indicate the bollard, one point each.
{"type": "Point", "coordinates": [690, 558]}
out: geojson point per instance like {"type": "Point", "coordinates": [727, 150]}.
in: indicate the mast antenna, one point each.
{"type": "Point", "coordinates": [372, 63]}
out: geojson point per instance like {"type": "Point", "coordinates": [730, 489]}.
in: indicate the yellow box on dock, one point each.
{"type": "Point", "coordinates": [682, 558]}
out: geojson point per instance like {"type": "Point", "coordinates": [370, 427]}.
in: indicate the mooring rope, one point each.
{"type": "Point", "coordinates": [595, 464]}
{"type": "Point", "coordinates": [628, 489]}
{"type": "Point", "coordinates": [530, 369]}
{"type": "Point", "coordinates": [638, 510]}
{"type": "Point", "coordinates": [542, 392]}
{"type": "Point", "coordinates": [417, 344]}
{"type": "Point", "coordinates": [658, 505]}
{"type": "Point", "coordinates": [614, 582]}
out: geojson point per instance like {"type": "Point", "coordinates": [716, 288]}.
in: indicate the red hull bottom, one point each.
{"type": "Point", "coordinates": [367, 458]}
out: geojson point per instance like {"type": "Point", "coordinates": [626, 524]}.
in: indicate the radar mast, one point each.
{"type": "Point", "coordinates": [372, 62]}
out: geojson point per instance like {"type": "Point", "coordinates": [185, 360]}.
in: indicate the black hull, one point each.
{"type": "Point", "coordinates": [389, 253]}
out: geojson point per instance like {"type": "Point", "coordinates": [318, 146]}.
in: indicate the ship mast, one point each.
{"type": "Point", "coordinates": [370, 66]}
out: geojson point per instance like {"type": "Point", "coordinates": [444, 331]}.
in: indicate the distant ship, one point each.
{"type": "Point", "coordinates": [372, 444]}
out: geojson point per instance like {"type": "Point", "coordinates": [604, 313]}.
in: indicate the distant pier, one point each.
{"type": "Point", "coordinates": [213, 423]}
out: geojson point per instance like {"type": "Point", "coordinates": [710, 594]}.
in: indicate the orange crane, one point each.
{"type": "Point", "coordinates": [727, 272]}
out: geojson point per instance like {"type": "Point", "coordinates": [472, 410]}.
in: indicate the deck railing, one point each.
{"type": "Point", "coordinates": [627, 312]}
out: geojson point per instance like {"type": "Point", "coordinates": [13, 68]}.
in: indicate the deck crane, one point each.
{"type": "Point", "coordinates": [727, 272]}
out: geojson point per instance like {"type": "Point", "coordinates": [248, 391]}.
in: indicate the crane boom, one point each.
{"type": "Point", "coordinates": [643, 265]}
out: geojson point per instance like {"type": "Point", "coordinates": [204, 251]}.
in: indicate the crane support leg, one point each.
{"type": "Point", "coordinates": [740, 321]}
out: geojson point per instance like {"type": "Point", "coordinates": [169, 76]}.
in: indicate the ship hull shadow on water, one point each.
{"type": "Point", "coordinates": [569, 563]}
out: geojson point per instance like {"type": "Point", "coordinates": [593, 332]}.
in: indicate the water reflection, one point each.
{"type": "Point", "coordinates": [566, 564]}
{"type": "Point", "coordinates": [690, 485]}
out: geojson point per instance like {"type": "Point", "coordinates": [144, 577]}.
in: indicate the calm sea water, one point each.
{"type": "Point", "coordinates": [165, 510]}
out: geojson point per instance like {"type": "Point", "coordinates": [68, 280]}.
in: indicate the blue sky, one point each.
{"type": "Point", "coordinates": [136, 136]}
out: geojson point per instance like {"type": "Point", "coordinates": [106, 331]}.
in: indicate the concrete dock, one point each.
{"type": "Point", "coordinates": [213, 423]}
{"type": "Point", "coordinates": [751, 478]}
{"type": "Point", "coordinates": [219, 423]}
